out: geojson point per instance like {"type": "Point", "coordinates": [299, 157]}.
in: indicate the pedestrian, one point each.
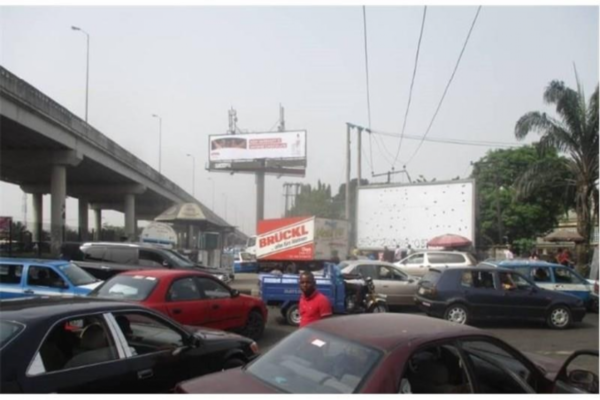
{"type": "Point", "coordinates": [410, 250]}
{"type": "Point", "coordinates": [313, 304]}
{"type": "Point", "coordinates": [534, 256]}
{"type": "Point", "coordinates": [559, 255]}
{"type": "Point", "coordinates": [398, 253]}
{"type": "Point", "coordinates": [508, 254]}
{"type": "Point", "coordinates": [564, 258]}
{"type": "Point", "coordinates": [388, 255]}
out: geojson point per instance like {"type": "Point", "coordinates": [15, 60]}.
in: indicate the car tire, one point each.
{"type": "Point", "coordinates": [255, 325]}
{"type": "Point", "coordinates": [233, 362]}
{"type": "Point", "coordinates": [292, 315]}
{"type": "Point", "coordinates": [559, 317]}
{"type": "Point", "coordinates": [377, 308]}
{"type": "Point", "coordinates": [457, 313]}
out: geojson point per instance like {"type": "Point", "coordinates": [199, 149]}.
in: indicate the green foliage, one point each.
{"type": "Point", "coordinates": [315, 202]}
{"type": "Point", "coordinates": [502, 214]}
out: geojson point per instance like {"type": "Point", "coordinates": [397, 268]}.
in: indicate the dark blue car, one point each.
{"type": "Point", "coordinates": [465, 294]}
{"type": "Point", "coordinates": [21, 277]}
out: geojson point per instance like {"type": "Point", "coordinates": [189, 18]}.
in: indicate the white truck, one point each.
{"type": "Point", "coordinates": [413, 214]}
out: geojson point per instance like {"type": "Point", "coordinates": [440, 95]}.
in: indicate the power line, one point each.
{"type": "Point", "coordinates": [411, 86]}
{"type": "Point", "coordinates": [447, 86]}
{"type": "Point", "coordinates": [367, 64]}
{"type": "Point", "coordinates": [482, 143]}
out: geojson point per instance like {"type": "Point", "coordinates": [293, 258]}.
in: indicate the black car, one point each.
{"type": "Point", "coordinates": [105, 260]}
{"type": "Point", "coordinates": [465, 294]}
{"type": "Point", "coordinates": [82, 345]}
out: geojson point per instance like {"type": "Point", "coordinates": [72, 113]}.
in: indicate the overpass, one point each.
{"type": "Point", "coordinates": [46, 149]}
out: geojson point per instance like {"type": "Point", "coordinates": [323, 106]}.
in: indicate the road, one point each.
{"type": "Point", "coordinates": [527, 337]}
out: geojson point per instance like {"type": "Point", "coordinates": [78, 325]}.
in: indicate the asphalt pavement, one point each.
{"type": "Point", "coordinates": [527, 337]}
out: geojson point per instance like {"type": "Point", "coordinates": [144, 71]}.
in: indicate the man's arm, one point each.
{"type": "Point", "coordinates": [325, 308]}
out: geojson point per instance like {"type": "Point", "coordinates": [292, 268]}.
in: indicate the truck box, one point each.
{"type": "Point", "coordinates": [302, 239]}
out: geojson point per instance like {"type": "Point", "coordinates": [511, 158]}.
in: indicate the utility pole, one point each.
{"type": "Point", "coordinates": [393, 172]}
{"type": "Point", "coordinates": [348, 162]}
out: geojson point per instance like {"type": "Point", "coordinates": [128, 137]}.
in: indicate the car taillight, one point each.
{"type": "Point", "coordinates": [254, 348]}
{"type": "Point", "coordinates": [429, 292]}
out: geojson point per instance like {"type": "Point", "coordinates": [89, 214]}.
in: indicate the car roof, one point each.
{"type": "Point", "coordinates": [349, 263]}
{"type": "Point", "coordinates": [54, 307]}
{"type": "Point", "coordinates": [520, 263]}
{"type": "Point", "coordinates": [123, 244]}
{"type": "Point", "coordinates": [164, 273]}
{"type": "Point", "coordinates": [479, 267]}
{"type": "Point", "coordinates": [54, 263]}
{"type": "Point", "coordinates": [388, 331]}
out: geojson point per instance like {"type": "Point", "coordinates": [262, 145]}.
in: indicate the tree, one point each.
{"type": "Point", "coordinates": [575, 133]}
{"type": "Point", "coordinates": [502, 215]}
{"type": "Point", "coordinates": [314, 202]}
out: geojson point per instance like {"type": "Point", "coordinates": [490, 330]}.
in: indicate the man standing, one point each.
{"type": "Point", "coordinates": [398, 253]}
{"type": "Point", "coordinates": [313, 304]}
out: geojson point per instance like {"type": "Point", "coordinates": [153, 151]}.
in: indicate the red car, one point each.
{"type": "Point", "coordinates": [190, 298]}
{"type": "Point", "coordinates": [395, 353]}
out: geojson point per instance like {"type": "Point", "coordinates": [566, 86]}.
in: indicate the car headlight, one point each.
{"type": "Point", "coordinates": [254, 348]}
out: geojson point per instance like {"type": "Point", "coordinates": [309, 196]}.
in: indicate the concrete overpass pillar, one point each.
{"type": "Point", "coordinates": [83, 219]}
{"type": "Point", "coordinates": [130, 217]}
{"type": "Point", "coordinates": [38, 213]}
{"type": "Point", "coordinates": [58, 191]}
{"type": "Point", "coordinates": [190, 238]}
{"type": "Point", "coordinates": [97, 224]}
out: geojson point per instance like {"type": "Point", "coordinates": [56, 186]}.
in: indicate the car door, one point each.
{"type": "Point", "coordinates": [521, 299]}
{"type": "Point", "coordinates": [414, 264]}
{"type": "Point", "coordinates": [154, 350]}
{"type": "Point", "coordinates": [480, 291]}
{"type": "Point", "coordinates": [11, 281]}
{"type": "Point", "coordinates": [395, 284]}
{"type": "Point", "coordinates": [224, 311]}
{"type": "Point", "coordinates": [41, 280]}
{"type": "Point", "coordinates": [566, 280]}
{"type": "Point", "coordinates": [185, 304]}
{"type": "Point", "coordinates": [77, 355]}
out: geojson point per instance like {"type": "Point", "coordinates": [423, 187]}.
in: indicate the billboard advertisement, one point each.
{"type": "Point", "coordinates": [254, 146]}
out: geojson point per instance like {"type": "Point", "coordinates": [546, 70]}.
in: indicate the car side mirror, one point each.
{"type": "Point", "coordinates": [585, 380]}
{"type": "Point", "coordinates": [235, 293]}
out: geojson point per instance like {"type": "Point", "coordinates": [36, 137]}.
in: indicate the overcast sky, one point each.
{"type": "Point", "coordinates": [191, 64]}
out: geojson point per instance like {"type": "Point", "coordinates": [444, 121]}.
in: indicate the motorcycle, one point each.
{"type": "Point", "coordinates": [362, 297]}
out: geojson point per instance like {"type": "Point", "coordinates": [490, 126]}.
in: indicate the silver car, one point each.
{"type": "Point", "coordinates": [388, 279]}
{"type": "Point", "coordinates": [418, 264]}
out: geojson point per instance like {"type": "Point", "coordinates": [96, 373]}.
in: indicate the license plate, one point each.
{"type": "Point", "coordinates": [426, 304]}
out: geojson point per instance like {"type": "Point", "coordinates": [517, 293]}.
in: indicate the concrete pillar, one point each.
{"type": "Point", "coordinates": [97, 224]}
{"type": "Point", "coordinates": [190, 240]}
{"type": "Point", "coordinates": [38, 214]}
{"type": "Point", "coordinates": [130, 217]}
{"type": "Point", "coordinates": [84, 206]}
{"type": "Point", "coordinates": [58, 191]}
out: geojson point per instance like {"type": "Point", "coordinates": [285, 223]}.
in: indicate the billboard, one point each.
{"type": "Point", "coordinates": [390, 215]}
{"type": "Point", "coordinates": [290, 145]}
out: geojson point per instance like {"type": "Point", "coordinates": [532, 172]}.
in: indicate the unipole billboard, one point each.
{"type": "Point", "coordinates": [290, 145]}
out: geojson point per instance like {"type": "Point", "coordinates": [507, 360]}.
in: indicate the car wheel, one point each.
{"type": "Point", "coordinates": [233, 363]}
{"type": "Point", "coordinates": [292, 315]}
{"type": "Point", "coordinates": [559, 317]}
{"type": "Point", "coordinates": [377, 308]}
{"type": "Point", "coordinates": [457, 313]}
{"type": "Point", "coordinates": [255, 325]}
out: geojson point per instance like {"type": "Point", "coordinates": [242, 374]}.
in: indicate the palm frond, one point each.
{"type": "Point", "coordinates": [532, 121]}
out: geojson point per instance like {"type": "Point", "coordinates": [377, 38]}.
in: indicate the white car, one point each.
{"type": "Point", "coordinates": [417, 264]}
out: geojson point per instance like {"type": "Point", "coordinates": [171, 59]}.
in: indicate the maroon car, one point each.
{"type": "Point", "coordinates": [395, 353]}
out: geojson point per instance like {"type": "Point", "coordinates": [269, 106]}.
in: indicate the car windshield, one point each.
{"type": "Point", "coordinates": [8, 330]}
{"type": "Point", "coordinates": [128, 287]}
{"type": "Point", "coordinates": [76, 275]}
{"type": "Point", "coordinates": [432, 276]}
{"type": "Point", "coordinates": [179, 259]}
{"type": "Point", "coordinates": [310, 361]}
{"type": "Point", "coordinates": [246, 256]}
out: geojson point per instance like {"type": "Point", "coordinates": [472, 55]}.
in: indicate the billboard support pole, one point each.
{"type": "Point", "coordinates": [348, 129]}
{"type": "Point", "coordinates": [260, 195]}
{"type": "Point", "coordinates": [358, 183]}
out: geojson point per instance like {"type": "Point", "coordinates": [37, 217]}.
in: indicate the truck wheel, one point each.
{"type": "Point", "coordinates": [292, 315]}
{"type": "Point", "coordinates": [559, 317]}
{"type": "Point", "coordinates": [377, 308]}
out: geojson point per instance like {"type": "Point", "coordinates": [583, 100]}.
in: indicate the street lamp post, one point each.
{"type": "Point", "coordinates": [213, 193]}
{"type": "Point", "coordinates": [193, 175]}
{"type": "Point", "coordinates": [87, 70]}
{"type": "Point", "coordinates": [159, 140]}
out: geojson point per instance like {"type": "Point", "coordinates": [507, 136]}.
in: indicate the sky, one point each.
{"type": "Point", "coordinates": [191, 64]}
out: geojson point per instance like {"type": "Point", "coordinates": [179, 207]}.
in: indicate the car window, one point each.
{"type": "Point", "coordinates": [45, 277]}
{"type": "Point", "coordinates": [11, 273]}
{"type": "Point", "coordinates": [390, 274]}
{"type": "Point", "coordinates": [8, 330]}
{"type": "Point", "coordinates": [437, 369]}
{"type": "Point", "coordinates": [183, 290]}
{"type": "Point", "coordinates": [496, 370]}
{"type": "Point", "coordinates": [93, 253]}
{"type": "Point", "coordinates": [126, 287]}
{"type": "Point", "coordinates": [438, 258]}
{"type": "Point", "coordinates": [211, 289]}
{"type": "Point", "coordinates": [564, 275]}
{"type": "Point", "coordinates": [513, 281]}
{"type": "Point", "coordinates": [367, 271]}
{"type": "Point", "coordinates": [150, 259]}
{"type": "Point", "coordinates": [76, 275]}
{"type": "Point", "coordinates": [75, 343]}
{"type": "Point", "coordinates": [432, 276]}
{"type": "Point", "coordinates": [481, 279]}
{"type": "Point", "coordinates": [415, 259]}
{"type": "Point", "coordinates": [146, 333]}
{"type": "Point", "coordinates": [311, 361]}
{"type": "Point", "coordinates": [120, 255]}
{"type": "Point", "coordinates": [454, 259]}
{"type": "Point", "coordinates": [540, 274]}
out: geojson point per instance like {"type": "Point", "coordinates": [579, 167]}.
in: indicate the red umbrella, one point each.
{"type": "Point", "coordinates": [449, 240]}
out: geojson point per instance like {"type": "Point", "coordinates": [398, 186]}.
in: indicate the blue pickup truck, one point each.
{"type": "Point", "coordinates": [343, 293]}
{"type": "Point", "coordinates": [21, 277]}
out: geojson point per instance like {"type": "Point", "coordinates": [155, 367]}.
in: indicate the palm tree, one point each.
{"type": "Point", "coordinates": [575, 134]}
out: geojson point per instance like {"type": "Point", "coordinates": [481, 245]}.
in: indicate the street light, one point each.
{"type": "Point", "coordinates": [159, 140]}
{"type": "Point", "coordinates": [87, 70]}
{"type": "Point", "coordinates": [213, 193]}
{"type": "Point", "coordinates": [193, 175]}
